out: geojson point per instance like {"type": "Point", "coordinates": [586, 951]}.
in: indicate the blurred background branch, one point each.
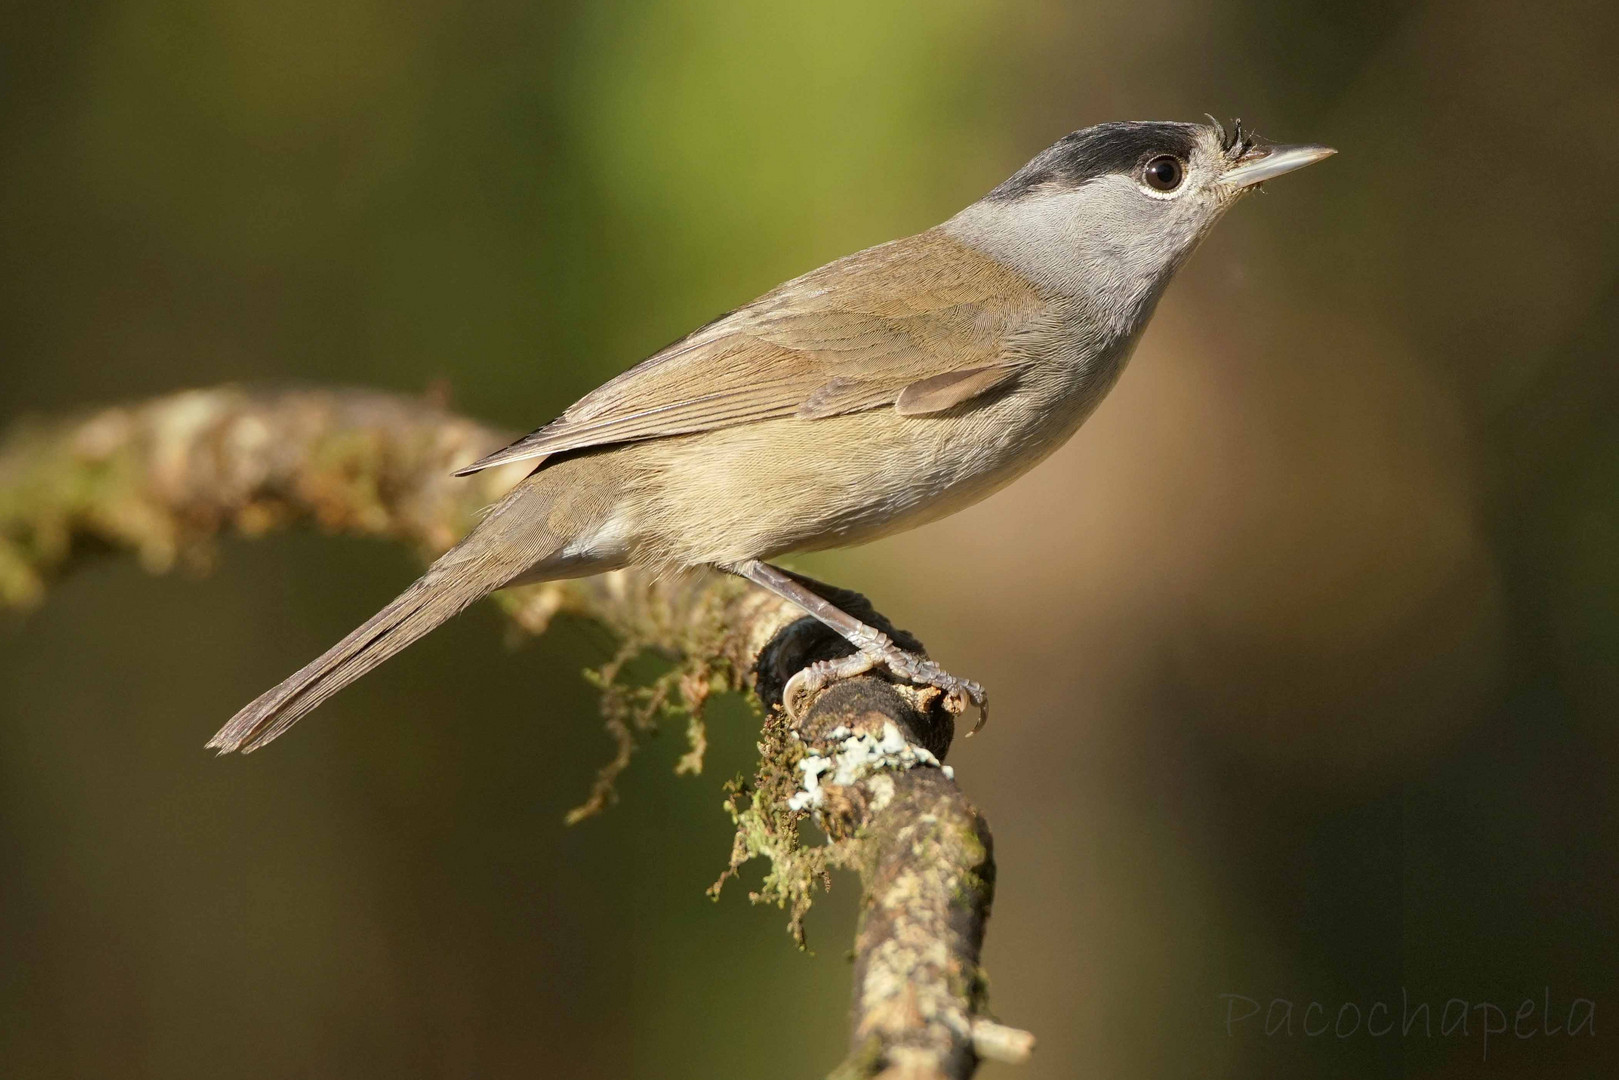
{"type": "Point", "coordinates": [164, 478]}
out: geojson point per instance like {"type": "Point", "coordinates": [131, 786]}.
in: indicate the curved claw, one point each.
{"type": "Point", "coordinates": [794, 692]}
{"type": "Point", "coordinates": [975, 695]}
{"type": "Point", "coordinates": [797, 690]}
{"type": "Point", "coordinates": [965, 692]}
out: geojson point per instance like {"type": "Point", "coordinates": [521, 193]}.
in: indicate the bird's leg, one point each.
{"type": "Point", "coordinates": [873, 649]}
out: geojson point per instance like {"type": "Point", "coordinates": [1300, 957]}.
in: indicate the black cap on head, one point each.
{"type": "Point", "coordinates": [1097, 151]}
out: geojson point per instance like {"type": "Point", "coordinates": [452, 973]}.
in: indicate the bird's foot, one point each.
{"type": "Point", "coordinates": [880, 652]}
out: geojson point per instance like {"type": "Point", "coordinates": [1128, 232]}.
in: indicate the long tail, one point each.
{"type": "Point", "coordinates": [511, 540]}
{"type": "Point", "coordinates": [435, 597]}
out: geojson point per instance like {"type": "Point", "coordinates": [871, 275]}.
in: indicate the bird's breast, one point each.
{"type": "Point", "coordinates": [778, 486]}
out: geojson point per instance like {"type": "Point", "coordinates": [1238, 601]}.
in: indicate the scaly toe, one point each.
{"type": "Point", "coordinates": [958, 693]}
{"type": "Point", "coordinates": [808, 680]}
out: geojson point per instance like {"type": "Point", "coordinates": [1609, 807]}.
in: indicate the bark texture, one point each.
{"type": "Point", "coordinates": [162, 478]}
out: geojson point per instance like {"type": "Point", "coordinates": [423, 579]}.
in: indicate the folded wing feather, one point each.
{"type": "Point", "coordinates": [922, 324]}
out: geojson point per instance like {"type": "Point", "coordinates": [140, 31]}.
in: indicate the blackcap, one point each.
{"type": "Point", "coordinates": [881, 391]}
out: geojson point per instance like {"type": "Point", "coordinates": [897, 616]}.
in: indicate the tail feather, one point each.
{"type": "Point", "coordinates": [533, 533]}
{"type": "Point", "coordinates": [443, 592]}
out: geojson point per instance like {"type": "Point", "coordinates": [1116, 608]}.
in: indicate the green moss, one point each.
{"type": "Point", "coordinates": [634, 712]}
{"type": "Point", "coordinates": [766, 828]}
{"type": "Point", "coordinates": [697, 653]}
{"type": "Point", "coordinates": [49, 493]}
{"type": "Point", "coordinates": [344, 472]}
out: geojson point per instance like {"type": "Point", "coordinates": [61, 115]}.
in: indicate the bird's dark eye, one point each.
{"type": "Point", "coordinates": [1164, 173]}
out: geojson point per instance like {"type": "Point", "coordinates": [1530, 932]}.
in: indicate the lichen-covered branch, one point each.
{"type": "Point", "coordinates": [163, 478]}
{"type": "Point", "coordinates": [875, 778]}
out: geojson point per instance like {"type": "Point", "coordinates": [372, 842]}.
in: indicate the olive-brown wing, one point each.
{"type": "Point", "coordinates": [925, 319]}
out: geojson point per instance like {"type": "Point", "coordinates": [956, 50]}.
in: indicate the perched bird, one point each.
{"type": "Point", "coordinates": [881, 391]}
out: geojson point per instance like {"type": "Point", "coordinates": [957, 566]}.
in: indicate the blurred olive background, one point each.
{"type": "Point", "coordinates": [1305, 650]}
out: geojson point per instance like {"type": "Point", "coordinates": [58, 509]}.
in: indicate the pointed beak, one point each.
{"type": "Point", "coordinates": [1278, 160]}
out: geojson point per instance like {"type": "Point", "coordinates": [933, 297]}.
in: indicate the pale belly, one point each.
{"type": "Point", "coordinates": [781, 486]}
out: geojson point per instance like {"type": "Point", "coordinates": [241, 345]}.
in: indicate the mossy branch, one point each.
{"type": "Point", "coordinates": [162, 478]}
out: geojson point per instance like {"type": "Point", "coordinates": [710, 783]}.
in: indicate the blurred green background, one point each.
{"type": "Point", "coordinates": [1305, 650]}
